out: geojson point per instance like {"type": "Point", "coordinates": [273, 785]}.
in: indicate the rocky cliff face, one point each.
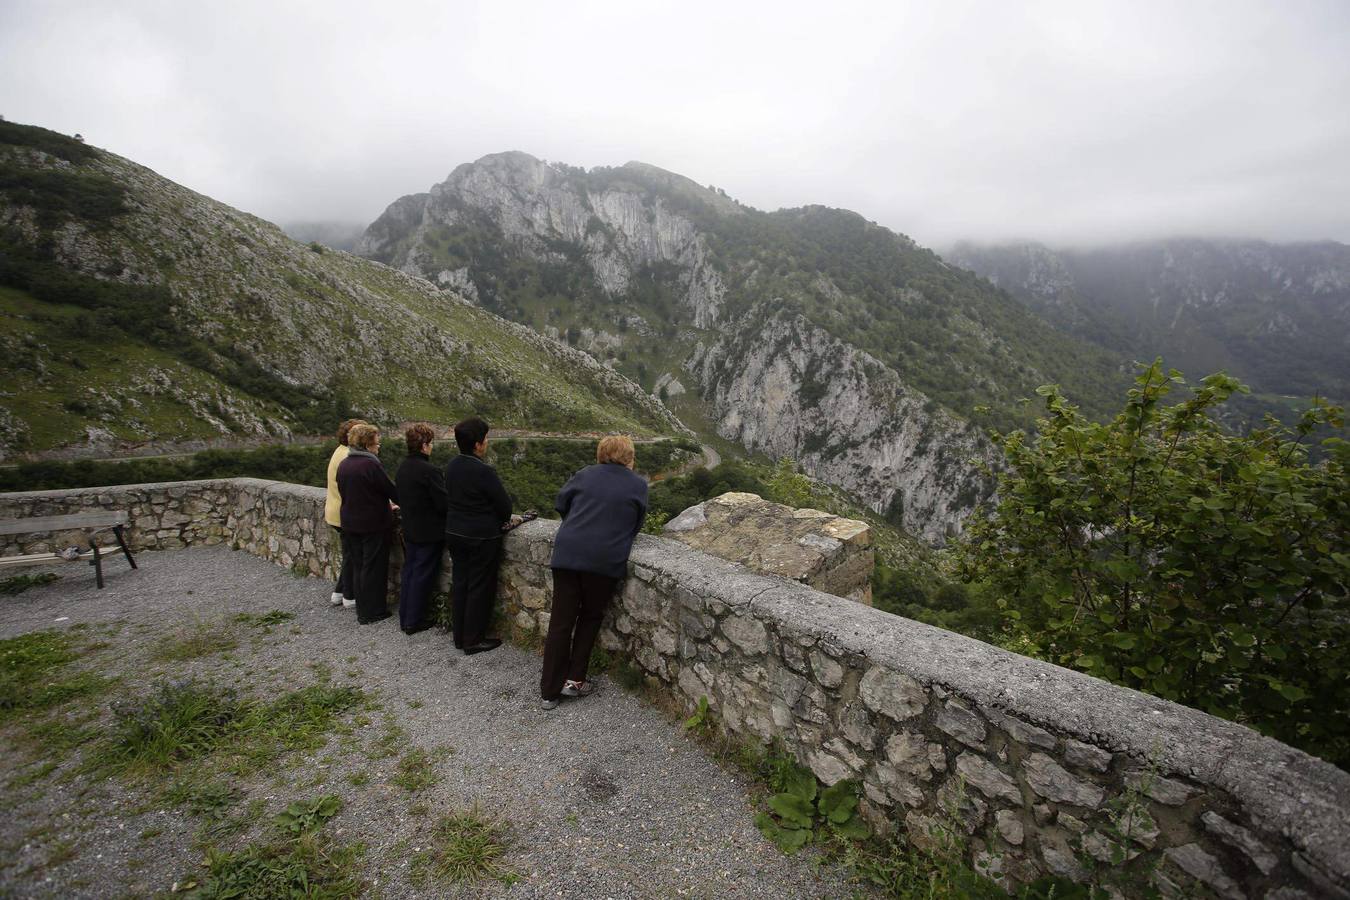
{"type": "Point", "coordinates": [1277, 316]}
{"type": "Point", "coordinates": [223, 324]}
{"type": "Point", "coordinates": [781, 386]}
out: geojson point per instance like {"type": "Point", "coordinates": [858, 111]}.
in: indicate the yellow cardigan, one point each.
{"type": "Point", "coordinates": [332, 507]}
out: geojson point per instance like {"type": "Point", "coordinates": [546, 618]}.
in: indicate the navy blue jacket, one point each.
{"type": "Point", "coordinates": [421, 499]}
{"type": "Point", "coordinates": [476, 503]}
{"type": "Point", "coordinates": [603, 508]}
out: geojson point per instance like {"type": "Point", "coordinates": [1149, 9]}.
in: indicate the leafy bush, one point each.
{"type": "Point", "coordinates": [802, 809]}
{"type": "Point", "coordinates": [300, 817]}
{"type": "Point", "coordinates": [1161, 552]}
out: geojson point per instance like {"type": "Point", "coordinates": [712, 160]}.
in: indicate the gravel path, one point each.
{"type": "Point", "coordinates": [604, 796]}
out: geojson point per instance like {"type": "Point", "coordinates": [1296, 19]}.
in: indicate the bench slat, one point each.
{"type": "Point", "coordinates": [32, 558]}
{"type": "Point", "coordinates": [97, 519]}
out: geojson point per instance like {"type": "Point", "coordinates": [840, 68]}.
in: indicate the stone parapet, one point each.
{"type": "Point", "coordinates": [1045, 769]}
{"type": "Point", "coordinates": [825, 551]}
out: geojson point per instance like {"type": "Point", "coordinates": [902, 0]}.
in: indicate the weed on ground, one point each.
{"type": "Point", "coordinates": [465, 846]}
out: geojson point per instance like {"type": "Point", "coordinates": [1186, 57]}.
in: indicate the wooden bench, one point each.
{"type": "Point", "coordinates": [89, 522]}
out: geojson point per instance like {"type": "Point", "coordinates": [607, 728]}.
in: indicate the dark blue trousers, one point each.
{"type": "Point", "coordinates": [421, 565]}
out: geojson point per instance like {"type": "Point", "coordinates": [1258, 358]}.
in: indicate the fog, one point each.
{"type": "Point", "coordinates": [1070, 123]}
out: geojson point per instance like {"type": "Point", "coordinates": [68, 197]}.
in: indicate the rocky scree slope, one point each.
{"type": "Point", "coordinates": [135, 309]}
{"type": "Point", "coordinates": [1276, 316]}
{"type": "Point", "coordinates": [679, 287]}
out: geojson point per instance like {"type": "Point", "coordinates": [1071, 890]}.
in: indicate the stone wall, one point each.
{"type": "Point", "coordinates": [1046, 769]}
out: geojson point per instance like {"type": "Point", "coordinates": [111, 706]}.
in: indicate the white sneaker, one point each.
{"type": "Point", "coordinates": [349, 602]}
{"type": "Point", "coordinates": [336, 598]}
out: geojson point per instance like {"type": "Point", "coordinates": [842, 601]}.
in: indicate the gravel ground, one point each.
{"type": "Point", "coordinates": [604, 796]}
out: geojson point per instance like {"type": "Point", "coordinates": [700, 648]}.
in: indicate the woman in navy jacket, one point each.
{"type": "Point", "coordinates": [421, 497]}
{"type": "Point", "coordinates": [368, 503]}
{"type": "Point", "coordinates": [603, 507]}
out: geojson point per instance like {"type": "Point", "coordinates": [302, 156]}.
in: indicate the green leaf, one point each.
{"type": "Point", "coordinates": [1122, 640]}
{"type": "Point", "coordinates": [854, 829]}
{"type": "Point", "coordinates": [838, 802]}
{"type": "Point", "coordinates": [1293, 693]}
{"type": "Point", "coordinates": [792, 809]}
{"type": "Point", "coordinates": [801, 782]}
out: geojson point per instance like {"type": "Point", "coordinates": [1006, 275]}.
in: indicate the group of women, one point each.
{"type": "Point", "coordinates": [466, 510]}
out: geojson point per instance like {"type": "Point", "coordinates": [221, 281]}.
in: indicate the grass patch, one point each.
{"type": "Point", "coordinates": [264, 620]}
{"type": "Point", "coordinates": [415, 771]}
{"type": "Point", "coordinates": [17, 584]}
{"type": "Point", "coordinates": [37, 774]}
{"type": "Point", "coordinates": [203, 639]}
{"type": "Point", "coordinates": [309, 866]}
{"type": "Point", "coordinates": [31, 676]}
{"type": "Point", "coordinates": [187, 720]}
{"type": "Point", "coordinates": [465, 846]}
{"type": "Point", "coordinates": [386, 745]}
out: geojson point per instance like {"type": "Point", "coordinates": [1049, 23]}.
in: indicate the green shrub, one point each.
{"type": "Point", "coordinates": [1164, 553]}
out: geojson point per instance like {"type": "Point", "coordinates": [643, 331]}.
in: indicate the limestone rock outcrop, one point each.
{"type": "Point", "coordinates": [829, 553]}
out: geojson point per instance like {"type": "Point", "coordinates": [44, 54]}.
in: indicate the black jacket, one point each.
{"type": "Point", "coordinates": [366, 494]}
{"type": "Point", "coordinates": [477, 504]}
{"type": "Point", "coordinates": [421, 499]}
{"type": "Point", "coordinates": [603, 508]}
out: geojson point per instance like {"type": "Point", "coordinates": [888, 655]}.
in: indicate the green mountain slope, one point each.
{"type": "Point", "coordinates": [137, 310]}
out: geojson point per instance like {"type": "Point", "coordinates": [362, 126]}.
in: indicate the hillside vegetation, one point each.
{"type": "Point", "coordinates": [134, 310]}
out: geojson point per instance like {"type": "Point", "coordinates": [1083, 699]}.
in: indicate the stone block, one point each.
{"type": "Point", "coordinates": [1166, 791]}
{"type": "Point", "coordinates": [987, 778]}
{"type": "Point", "coordinates": [1204, 868]}
{"type": "Point", "coordinates": [1053, 782]}
{"type": "Point", "coordinates": [1010, 826]}
{"type": "Point", "coordinates": [1241, 840]}
{"type": "Point", "coordinates": [747, 633]}
{"type": "Point", "coordinates": [828, 672]}
{"type": "Point", "coordinates": [1086, 756]}
{"type": "Point", "coordinates": [892, 694]}
{"type": "Point", "coordinates": [962, 723]}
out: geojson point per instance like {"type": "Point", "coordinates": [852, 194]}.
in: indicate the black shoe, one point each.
{"type": "Point", "coordinates": [422, 626]}
{"type": "Point", "coordinates": [483, 646]}
{"type": "Point", "coordinates": [373, 619]}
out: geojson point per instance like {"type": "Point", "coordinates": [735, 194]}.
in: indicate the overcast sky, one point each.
{"type": "Point", "coordinates": [1066, 122]}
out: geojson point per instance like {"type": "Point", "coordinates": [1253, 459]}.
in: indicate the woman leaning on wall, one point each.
{"type": "Point", "coordinates": [603, 507]}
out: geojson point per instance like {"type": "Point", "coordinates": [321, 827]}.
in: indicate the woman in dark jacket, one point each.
{"type": "Point", "coordinates": [421, 497]}
{"type": "Point", "coordinates": [478, 508]}
{"type": "Point", "coordinates": [603, 508]}
{"type": "Point", "coordinates": [368, 502]}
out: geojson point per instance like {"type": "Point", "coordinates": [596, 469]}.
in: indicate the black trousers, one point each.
{"type": "Point", "coordinates": [473, 587]}
{"type": "Point", "coordinates": [344, 582]}
{"type": "Point", "coordinates": [370, 574]}
{"type": "Point", "coordinates": [421, 565]}
{"type": "Point", "coordinates": [579, 603]}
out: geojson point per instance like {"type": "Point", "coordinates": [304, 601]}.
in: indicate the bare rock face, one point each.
{"type": "Point", "coordinates": [828, 553]}
{"type": "Point", "coordinates": [780, 385]}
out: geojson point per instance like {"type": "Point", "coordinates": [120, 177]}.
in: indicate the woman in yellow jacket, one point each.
{"type": "Point", "coordinates": [343, 595]}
